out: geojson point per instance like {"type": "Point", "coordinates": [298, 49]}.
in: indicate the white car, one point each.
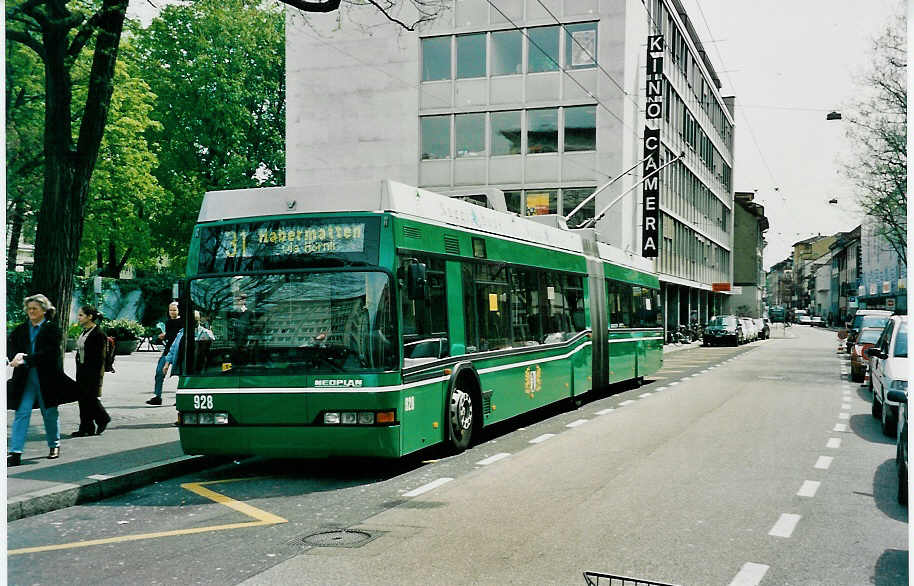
{"type": "Point", "coordinates": [889, 371]}
{"type": "Point", "coordinates": [749, 328]}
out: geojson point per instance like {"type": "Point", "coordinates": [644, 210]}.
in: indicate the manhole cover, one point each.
{"type": "Point", "coordinates": [341, 538]}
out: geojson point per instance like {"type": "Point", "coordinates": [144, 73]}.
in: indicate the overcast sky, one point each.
{"type": "Point", "coordinates": [789, 63]}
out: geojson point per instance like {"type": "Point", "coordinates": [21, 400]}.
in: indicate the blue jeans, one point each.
{"type": "Point", "coordinates": [24, 415]}
{"type": "Point", "coordinates": [160, 376]}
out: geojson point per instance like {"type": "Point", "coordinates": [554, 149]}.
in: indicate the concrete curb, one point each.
{"type": "Point", "coordinates": [95, 489]}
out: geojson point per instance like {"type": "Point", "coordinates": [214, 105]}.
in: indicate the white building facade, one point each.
{"type": "Point", "coordinates": [542, 99]}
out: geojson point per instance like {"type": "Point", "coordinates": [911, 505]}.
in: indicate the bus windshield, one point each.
{"type": "Point", "coordinates": [293, 324]}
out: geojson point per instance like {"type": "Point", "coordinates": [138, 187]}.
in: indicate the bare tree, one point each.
{"type": "Point", "coordinates": [878, 129]}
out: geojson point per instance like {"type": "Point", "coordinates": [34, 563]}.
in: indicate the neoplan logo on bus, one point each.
{"type": "Point", "coordinates": [338, 382]}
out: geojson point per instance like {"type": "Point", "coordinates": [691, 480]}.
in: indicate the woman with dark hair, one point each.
{"type": "Point", "coordinates": [90, 371]}
{"type": "Point", "coordinates": [33, 350]}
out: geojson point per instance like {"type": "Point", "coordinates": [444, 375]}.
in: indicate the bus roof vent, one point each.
{"type": "Point", "coordinates": [451, 245]}
{"type": "Point", "coordinates": [412, 232]}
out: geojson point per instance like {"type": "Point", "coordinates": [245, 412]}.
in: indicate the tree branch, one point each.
{"type": "Point", "coordinates": [391, 18]}
{"type": "Point", "coordinates": [305, 6]}
{"type": "Point", "coordinates": [27, 40]}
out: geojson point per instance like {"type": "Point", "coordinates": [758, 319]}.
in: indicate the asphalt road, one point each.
{"type": "Point", "coordinates": [750, 465]}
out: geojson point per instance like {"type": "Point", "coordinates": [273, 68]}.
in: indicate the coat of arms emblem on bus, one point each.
{"type": "Point", "coordinates": [533, 380]}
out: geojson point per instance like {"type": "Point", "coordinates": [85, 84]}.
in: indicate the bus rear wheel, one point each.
{"type": "Point", "coordinates": [460, 417]}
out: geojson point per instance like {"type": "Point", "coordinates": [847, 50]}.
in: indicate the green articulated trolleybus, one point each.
{"type": "Point", "coordinates": [377, 320]}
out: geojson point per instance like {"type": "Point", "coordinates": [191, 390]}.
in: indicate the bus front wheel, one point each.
{"type": "Point", "coordinates": [460, 418]}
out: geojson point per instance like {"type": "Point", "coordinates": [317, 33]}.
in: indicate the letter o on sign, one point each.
{"type": "Point", "coordinates": [653, 110]}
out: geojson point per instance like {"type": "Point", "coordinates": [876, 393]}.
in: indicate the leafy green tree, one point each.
{"type": "Point", "coordinates": [218, 69]}
{"type": "Point", "coordinates": [878, 127]}
{"type": "Point", "coordinates": [25, 160]}
{"type": "Point", "coordinates": [124, 197]}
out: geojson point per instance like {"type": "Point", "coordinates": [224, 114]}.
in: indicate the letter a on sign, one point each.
{"type": "Point", "coordinates": [650, 195]}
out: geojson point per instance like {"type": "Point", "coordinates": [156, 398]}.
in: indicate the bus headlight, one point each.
{"type": "Point", "coordinates": [348, 418]}
{"type": "Point", "coordinates": [366, 418]}
{"type": "Point", "coordinates": [206, 418]}
{"type": "Point", "coordinates": [189, 418]}
{"type": "Point", "coordinates": [331, 418]}
{"type": "Point", "coordinates": [220, 418]}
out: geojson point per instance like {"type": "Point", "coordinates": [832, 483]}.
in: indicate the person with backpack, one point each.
{"type": "Point", "coordinates": [91, 349]}
{"type": "Point", "coordinates": [172, 327]}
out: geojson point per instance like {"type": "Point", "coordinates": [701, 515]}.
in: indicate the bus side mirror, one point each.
{"type": "Point", "coordinates": [416, 280]}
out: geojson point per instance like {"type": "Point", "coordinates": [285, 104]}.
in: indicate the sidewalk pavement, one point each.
{"type": "Point", "coordinates": [139, 447]}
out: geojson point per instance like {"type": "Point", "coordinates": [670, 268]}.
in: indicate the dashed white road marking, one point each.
{"type": "Point", "coordinates": [99, 477]}
{"type": "Point", "coordinates": [660, 389]}
{"type": "Point", "coordinates": [577, 423]}
{"type": "Point", "coordinates": [750, 574]}
{"type": "Point", "coordinates": [604, 411]}
{"type": "Point", "coordinates": [542, 438]}
{"type": "Point", "coordinates": [427, 487]}
{"type": "Point", "coordinates": [844, 415]}
{"type": "Point", "coordinates": [840, 427]}
{"type": "Point", "coordinates": [644, 395]}
{"type": "Point", "coordinates": [809, 488]}
{"type": "Point", "coordinates": [846, 406]}
{"type": "Point", "coordinates": [628, 402]}
{"type": "Point", "coordinates": [493, 459]}
{"type": "Point", "coordinates": [833, 442]}
{"type": "Point", "coordinates": [675, 382]}
{"type": "Point", "coordinates": [824, 462]}
{"type": "Point", "coordinates": [785, 525]}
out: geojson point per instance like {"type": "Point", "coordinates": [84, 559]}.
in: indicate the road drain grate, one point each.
{"type": "Point", "coordinates": [338, 538]}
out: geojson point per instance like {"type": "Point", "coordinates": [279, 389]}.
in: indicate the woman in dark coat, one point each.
{"type": "Point", "coordinates": [90, 371]}
{"type": "Point", "coordinates": [38, 379]}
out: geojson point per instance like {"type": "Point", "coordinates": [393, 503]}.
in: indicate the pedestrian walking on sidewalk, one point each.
{"type": "Point", "coordinates": [33, 350]}
{"type": "Point", "coordinates": [176, 354]}
{"type": "Point", "coordinates": [91, 347]}
{"type": "Point", "coordinates": [172, 327]}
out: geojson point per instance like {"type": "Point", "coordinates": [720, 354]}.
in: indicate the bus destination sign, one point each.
{"type": "Point", "coordinates": [291, 240]}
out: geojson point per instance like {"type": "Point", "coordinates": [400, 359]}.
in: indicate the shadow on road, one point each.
{"type": "Point", "coordinates": [891, 568]}
{"type": "Point", "coordinates": [885, 491]}
{"type": "Point", "coordinates": [869, 428]}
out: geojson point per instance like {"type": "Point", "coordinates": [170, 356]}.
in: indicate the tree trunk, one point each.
{"type": "Point", "coordinates": [16, 222]}
{"type": "Point", "coordinates": [68, 169]}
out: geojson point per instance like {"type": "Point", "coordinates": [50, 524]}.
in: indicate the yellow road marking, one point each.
{"type": "Point", "coordinates": [262, 518]}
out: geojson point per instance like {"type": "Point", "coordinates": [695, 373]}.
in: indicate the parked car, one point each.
{"type": "Point", "coordinates": [804, 320]}
{"type": "Point", "coordinates": [749, 327]}
{"type": "Point", "coordinates": [889, 370]}
{"type": "Point", "coordinates": [865, 339]}
{"type": "Point", "coordinates": [866, 318]}
{"type": "Point", "coordinates": [799, 315]}
{"type": "Point", "coordinates": [817, 321]}
{"type": "Point", "coordinates": [901, 444]}
{"type": "Point", "coordinates": [761, 325]}
{"type": "Point", "coordinates": [723, 329]}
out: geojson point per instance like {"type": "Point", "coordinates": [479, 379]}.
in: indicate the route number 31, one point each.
{"type": "Point", "coordinates": [203, 401]}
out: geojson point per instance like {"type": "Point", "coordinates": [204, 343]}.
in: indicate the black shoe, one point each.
{"type": "Point", "coordinates": [154, 401]}
{"type": "Point", "coordinates": [81, 433]}
{"type": "Point", "coordinates": [54, 454]}
{"type": "Point", "coordinates": [102, 426]}
{"type": "Point", "coordinates": [13, 459]}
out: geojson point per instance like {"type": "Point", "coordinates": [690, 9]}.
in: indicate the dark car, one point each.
{"type": "Point", "coordinates": [901, 445]}
{"type": "Point", "coordinates": [723, 329]}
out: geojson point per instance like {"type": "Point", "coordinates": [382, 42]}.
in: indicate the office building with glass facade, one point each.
{"type": "Point", "coordinates": [542, 99]}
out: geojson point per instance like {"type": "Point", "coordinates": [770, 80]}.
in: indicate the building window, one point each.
{"type": "Point", "coordinates": [436, 137]}
{"type": "Point", "coordinates": [506, 53]}
{"type": "Point", "coordinates": [570, 200]}
{"type": "Point", "coordinates": [471, 55]}
{"type": "Point", "coordinates": [470, 135]}
{"type": "Point", "coordinates": [580, 45]}
{"type": "Point", "coordinates": [541, 201]}
{"type": "Point", "coordinates": [542, 131]}
{"type": "Point", "coordinates": [581, 128]}
{"type": "Point", "coordinates": [512, 201]}
{"type": "Point", "coordinates": [543, 49]}
{"type": "Point", "coordinates": [506, 133]}
{"type": "Point", "coordinates": [436, 58]}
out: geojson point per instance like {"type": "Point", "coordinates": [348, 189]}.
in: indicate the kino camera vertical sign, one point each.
{"type": "Point", "coordinates": [650, 199]}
